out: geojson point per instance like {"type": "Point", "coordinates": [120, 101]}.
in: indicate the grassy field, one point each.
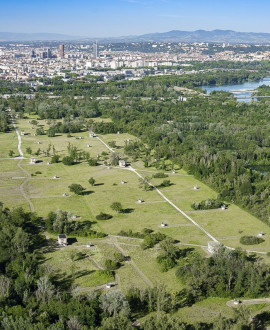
{"type": "Point", "coordinates": [46, 195]}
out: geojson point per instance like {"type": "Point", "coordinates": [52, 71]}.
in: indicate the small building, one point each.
{"type": "Point", "coordinates": [136, 324]}
{"type": "Point", "coordinates": [236, 302]}
{"type": "Point", "coordinates": [92, 134]}
{"type": "Point", "coordinates": [88, 145]}
{"type": "Point", "coordinates": [173, 172]}
{"type": "Point", "coordinates": [213, 247]}
{"type": "Point", "coordinates": [74, 216]}
{"type": "Point", "coordinates": [90, 245]}
{"type": "Point", "coordinates": [56, 177]}
{"type": "Point", "coordinates": [163, 224]}
{"type": "Point", "coordinates": [109, 285]}
{"type": "Point", "coordinates": [123, 182]}
{"type": "Point", "coordinates": [118, 132]}
{"type": "Point", "coordinates": [140, 201]}
{"type": "Point", "coordinates": [33, 160]}
{"type": "Point", "coordinates": [80, 137]}
{"type": "Point", "coordinates": [195, 188]}
{"type": "Point", "coordinates": [223, 207]}
{"type": "Point", "coordinates": [22, 132]}
{"type": "Point", "coordinates": [48, 163]}
{"type": "Point", "coordinates": [65, 195]}
{"type": "Point", "coordinates": [62, 240]}
{"type": "Point", "coordinates": [261, 234]}
{"type": "Point", "coordinates": [38, 142]}
{"type": "Point", "coordinates": [122, 163]}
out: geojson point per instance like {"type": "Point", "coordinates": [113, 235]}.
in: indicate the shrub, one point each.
{"type": "Point", "coordinates": [68, 160]}
{"type": "Point", "coordinates": [208, 204]}
{"type": "Point", "coordinates": [103, 216]}
{"type": "Point", "coordinates": [151, 240]}
{"type": "Point", "coordinates": [130, 233]}
{"type": "Point", "coordinates": [40, 131]}
{"type": "Point", "coordinates": [55, 159]}
{"type": "Point", "coordinates": [160, 175]}
{"type": "Point", "coordinates": [119, 257]}
{"type": "Point", "coordinates": [165, 183]}
{"type": "Point", "coordinates": [251, 240]}
{"type": "Point", "coordinates": [166, 263]}
{"type": "Point", "coordinates": [111, 265]}
{"type": "Point", "coordinates": [92, 162]}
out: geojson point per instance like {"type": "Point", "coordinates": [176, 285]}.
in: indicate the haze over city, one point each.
{"type": "Point", "coordinates": [110, 18]}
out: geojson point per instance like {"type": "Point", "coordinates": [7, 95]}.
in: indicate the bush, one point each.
{"type": "Point", "coordinates": [166, 263]}
{"type": "Point", "coordinates": [55, 159]}
{"type": "Point", "coordinates": [103, 216]}
{"type": "Point", "coordinates": [151, 240]}
{"type": "Point", "coordinates": [208, 204]}
{"type": "Point", "coordinates": [92, 162]}
{"type": "Point", "coordinates": [165, 183]}
{"type": "Point", "coordinates": [111, 265]}
{"type": "Point", "coordinates": [251, 240]}
{"type": "Point", "coordinates": [160, 175]}
{"type": "Point", "coordinates": [119, 257]}
{"type": "Point", "coordinates": [40, 131]}
{"type": "Point", "coordinates": [68, 160]}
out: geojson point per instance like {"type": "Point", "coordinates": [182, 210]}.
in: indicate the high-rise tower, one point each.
{"type": "Point", "coordinates": [95, 50]}
{"type": "Point", "coordinates": [62, 51]}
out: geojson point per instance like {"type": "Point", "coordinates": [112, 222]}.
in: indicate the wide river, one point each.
{"type": "Point", "coordinates": [243, 92]}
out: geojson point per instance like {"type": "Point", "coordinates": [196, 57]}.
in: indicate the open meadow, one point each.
{"type": "Point", "coordinates": [44, 187]}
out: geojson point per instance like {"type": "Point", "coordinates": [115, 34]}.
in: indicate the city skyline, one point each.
{"type": "Point", "coordinates": [132, 17]}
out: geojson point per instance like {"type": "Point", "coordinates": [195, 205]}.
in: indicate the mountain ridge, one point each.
{"type": "Point", "coordinates": [214, 36]}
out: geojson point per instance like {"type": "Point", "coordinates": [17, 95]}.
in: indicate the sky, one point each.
{"type": "Point", "coordinates": [110, 18]}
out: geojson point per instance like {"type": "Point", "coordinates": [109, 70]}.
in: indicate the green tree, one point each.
{"type": "Point", "coordinates": [92, 181]}
{"type": "Point", "coordinates": [117, 207]}
{"type": "Point", "coordinates": [11, 153]}
{"type": "Point", "coordinates": [76, 188]}
{"type": "Point", "coordinates": [29, 150]}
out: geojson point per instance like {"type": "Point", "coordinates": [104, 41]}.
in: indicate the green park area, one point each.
{"type": "Point", "coordinates": [42, 186]}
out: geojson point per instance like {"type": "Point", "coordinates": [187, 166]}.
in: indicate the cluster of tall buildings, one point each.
{"type": "Point", "coordinates": [44, 53]}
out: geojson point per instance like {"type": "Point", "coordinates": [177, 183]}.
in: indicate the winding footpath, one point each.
{"type": "Point", "coordinates": [21, 157]}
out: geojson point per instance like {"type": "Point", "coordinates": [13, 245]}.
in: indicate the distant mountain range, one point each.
{"type": "Point", "coordinates": [215, 36]}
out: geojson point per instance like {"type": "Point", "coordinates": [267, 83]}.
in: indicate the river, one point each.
{"type": "Point", "coordinates": [243, 92]}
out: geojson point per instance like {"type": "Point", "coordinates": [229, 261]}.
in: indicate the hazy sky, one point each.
{"type": "Point", "coordinates": [104, 18]}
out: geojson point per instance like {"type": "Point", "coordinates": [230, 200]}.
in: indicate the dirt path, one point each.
{"type": "Point", "coordinates": [164, 197]}
{"type": "Point", "coordinates": [231, 303]}
{"type": "Point", "coordinates": [25, 196]}
{"type": "Point", "coordinates": [26, 179]}
{"type": "Point", "coordinates": [130, 168]}
{"type": "Point", "coordinates": [18, 135]}
{"type": "Point", "coordinates": [133, 265]}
